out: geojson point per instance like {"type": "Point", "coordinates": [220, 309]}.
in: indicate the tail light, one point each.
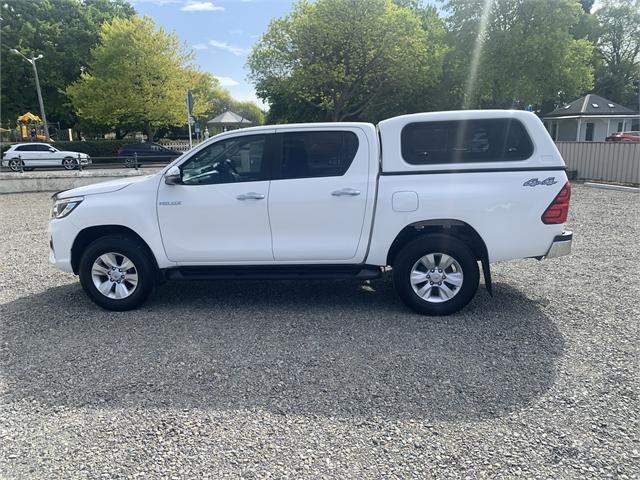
{"type": "Point", "coordinates": [558, 210]}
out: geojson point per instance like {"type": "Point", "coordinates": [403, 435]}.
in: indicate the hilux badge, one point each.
{"type": "Point", "coordinates": [170, 203]}
{"type": "Point", "coordinates": [534, 182]}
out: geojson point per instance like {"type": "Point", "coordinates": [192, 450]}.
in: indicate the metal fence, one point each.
{"type": "Point", "coordinates": [617, 162]}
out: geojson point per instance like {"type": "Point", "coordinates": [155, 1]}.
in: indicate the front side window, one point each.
{"type": "Point", "coordinates": [316, 154]}
{"type": "Point", "coordinates": [44, 148]}
{"type": "Point", "coordinates": [463, 141]}
{"type": "Point", "coordinates": [26, 148]}
{"type": "Point", "coordinates": [238, 159]}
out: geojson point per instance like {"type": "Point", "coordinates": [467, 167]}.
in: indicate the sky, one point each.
{"type": "Point", "coordinates": [220, 32]}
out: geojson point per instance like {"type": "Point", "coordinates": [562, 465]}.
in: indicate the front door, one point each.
{"type": "Point", "coordinates": [218, 214]}
{"type": "Point", "coordinates": [318, 195]}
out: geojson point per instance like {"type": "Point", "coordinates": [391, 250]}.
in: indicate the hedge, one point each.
{"type": "Point", "coordinates": [94, 148]}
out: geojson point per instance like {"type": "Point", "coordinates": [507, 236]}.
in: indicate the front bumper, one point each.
{"type": "Point", "coordinates": [561, 245]}
{"type": "Point", "coordinates": [62, 233]}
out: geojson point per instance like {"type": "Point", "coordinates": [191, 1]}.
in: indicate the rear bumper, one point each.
{"type": "Point", "coordinates": [561, 245]}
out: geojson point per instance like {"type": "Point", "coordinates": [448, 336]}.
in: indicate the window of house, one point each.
{"type": "Point", "coordinates": [588, 136]}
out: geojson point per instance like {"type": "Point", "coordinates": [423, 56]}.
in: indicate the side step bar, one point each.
{"type": "Point", "coordinates": [274, 272]}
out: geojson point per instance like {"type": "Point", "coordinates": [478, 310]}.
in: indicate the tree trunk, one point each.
{"type": "Point", "coordinates": [150, 131]}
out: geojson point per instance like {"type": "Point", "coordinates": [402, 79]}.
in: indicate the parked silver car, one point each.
{"type": "Point", "coordinates": [27, 156]}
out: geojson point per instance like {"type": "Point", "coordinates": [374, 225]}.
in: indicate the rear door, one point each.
{"type": "Point", "coordinates": [30, 154]}
{"type": "Point", "coordinates": [318, 195]}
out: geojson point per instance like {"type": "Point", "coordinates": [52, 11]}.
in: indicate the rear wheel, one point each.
{"type": "Point", "coordinates": [117, 272]}
{"type": "Point", "coordinates": [436, 275]}
{"type": "Point", "coordinates": [70, 163]}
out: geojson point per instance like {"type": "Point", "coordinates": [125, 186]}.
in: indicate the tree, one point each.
{"type": "Point", "coordinates": [618, 49]}
{"type": "Point", "coordinates": [516, 52]}
{"type": "Point", "coordinates": [138, 76]}
{"type": "Point", "coordinates": [343, 59]}
{"type": "Point", "coordinates": [64, 31]}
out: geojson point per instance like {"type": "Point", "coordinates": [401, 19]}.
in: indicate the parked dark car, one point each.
{"type": "Point", "coordinates": [146, 153]}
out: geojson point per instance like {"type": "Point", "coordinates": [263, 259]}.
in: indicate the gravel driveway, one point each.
{"type": "Point", "coordinates": [327, 379]}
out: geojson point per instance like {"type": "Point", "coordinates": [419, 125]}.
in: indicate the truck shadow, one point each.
{"type": "Point", "coordinates": [334, 349]}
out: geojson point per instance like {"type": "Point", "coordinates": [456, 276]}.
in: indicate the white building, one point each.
{"type": "Point", "coordinates": [591, 118]}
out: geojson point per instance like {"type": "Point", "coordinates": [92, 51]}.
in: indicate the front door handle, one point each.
{"type": "Point", "coordinates": [250, 196]}
{"type": "Point", "coordinates": [346, 192]}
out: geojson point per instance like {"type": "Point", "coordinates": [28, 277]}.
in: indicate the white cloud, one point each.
{"type": "Point", "coordinates": [227, 81]}
{"type": "Point", "coordinates": [238, 51]}
{"type": "Point", "coordinates": [196, 6]}
{"type": "Point", "coordinates": [246, 93]}
{"type": "Point", "coordinates": [199, 46]}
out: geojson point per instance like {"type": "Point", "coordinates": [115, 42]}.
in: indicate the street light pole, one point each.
{"type": "Point", "coordinates": [32, 61]}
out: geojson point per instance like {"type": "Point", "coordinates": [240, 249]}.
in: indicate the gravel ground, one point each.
{"type": "Point", "coordinates": [325, 380]}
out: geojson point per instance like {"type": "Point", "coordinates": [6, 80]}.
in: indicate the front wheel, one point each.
{"type": "Point", "coordinates": [436, 275]}
{"type": "Point", "coordinates": [117, 272]}
{"type": "Point", "coordinates": [70, 163]}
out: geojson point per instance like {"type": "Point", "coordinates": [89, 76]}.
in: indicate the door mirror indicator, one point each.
{"type": "Point", "coordinates": [173, 176]}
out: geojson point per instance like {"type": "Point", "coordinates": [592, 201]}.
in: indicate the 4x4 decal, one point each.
{"type": "Point", "coordinates": [534, 182]}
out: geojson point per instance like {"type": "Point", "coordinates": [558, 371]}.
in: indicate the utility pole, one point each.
{"type": "Point", "coordinates": [32, 61]}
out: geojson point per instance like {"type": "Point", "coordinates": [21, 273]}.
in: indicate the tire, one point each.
{"type": "Point", "coordinates": [129, 162]}
{"type": "Point", "coordinates": [422, 257]}
{"type": "Point", "coordinates": [96, 268]}
{"type": "Point", "coordinates": [70, 163]}
{"type": "Point", "coordinates": [16, 165]}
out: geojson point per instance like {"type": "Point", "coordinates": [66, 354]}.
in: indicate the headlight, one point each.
{"type": "Point", "coordinates": [64, 206]}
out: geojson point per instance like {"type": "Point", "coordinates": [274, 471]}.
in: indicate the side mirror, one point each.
{"type": "Point", "coordinates": [173, 176]}
{"type": "Point", "coordinates": [51, 149]}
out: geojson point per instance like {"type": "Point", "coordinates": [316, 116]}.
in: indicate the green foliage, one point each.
{"type": "Point", "coordinates": [618, 50]}
{"type": "Point", "coordinates": [137, 76]}
{"type": "Point", "coordinates": [64, 31]}
{"type": "Point", "coordinates": [343, 59]}
{"type": "Point", "coordinates": [94, 148]}
{"type": "Point", "coordinates": [524, 52]}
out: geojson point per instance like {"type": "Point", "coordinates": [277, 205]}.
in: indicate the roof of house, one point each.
{"type": "Point", "coordinates": [590, 104]}
{"type": "Point", "coordinates": [229, 118]}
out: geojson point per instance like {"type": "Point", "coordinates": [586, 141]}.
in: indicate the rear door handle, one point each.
{"type": "Point", "coordinates": [346, 192]}
{"type": "Point", "coordinates": [250, 196]}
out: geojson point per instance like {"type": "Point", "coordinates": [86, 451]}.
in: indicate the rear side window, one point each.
{"type": "Point", "coordinates": [26, 148]}
{"type": "Point", "coordinates": [316, 154]}
{"type": "Point", "coordinates": [462, 141]}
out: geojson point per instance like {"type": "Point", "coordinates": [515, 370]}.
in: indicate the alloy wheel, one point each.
{"type": "Point", "coordinates": [114, 275]}
{"type": "Point", "coordinates": [436, 277]}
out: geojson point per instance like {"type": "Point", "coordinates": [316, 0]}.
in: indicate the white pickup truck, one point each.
{"type": "Point", "coordinates": [432, 195]}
